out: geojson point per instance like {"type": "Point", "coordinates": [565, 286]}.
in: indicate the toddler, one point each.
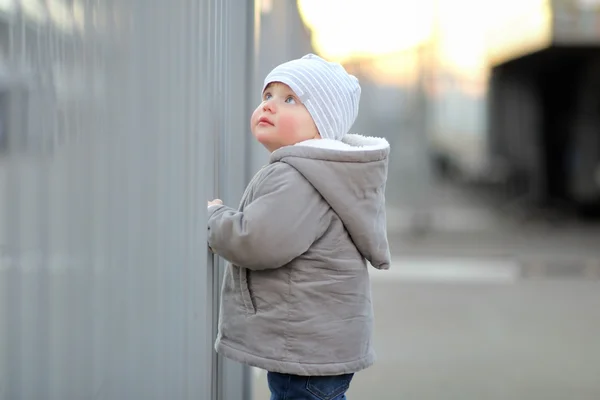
{"type": "Point", "coordinates": [296, 298]}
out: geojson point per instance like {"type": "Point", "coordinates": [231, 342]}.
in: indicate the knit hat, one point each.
{"type": "Point", "coordinates": [328, 92]}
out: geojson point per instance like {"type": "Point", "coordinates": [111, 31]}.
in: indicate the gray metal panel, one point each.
{"type": "Point", "coordinates": [111, 136]}
{"type": "Point", "coordinates": [237, 68]}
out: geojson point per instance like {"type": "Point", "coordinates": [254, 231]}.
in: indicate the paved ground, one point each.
{"type": "Point", "coordinates": [475, 330]}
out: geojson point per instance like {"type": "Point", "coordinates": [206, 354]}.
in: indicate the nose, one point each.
{"type": "Point", "coordinates": [269, 105]}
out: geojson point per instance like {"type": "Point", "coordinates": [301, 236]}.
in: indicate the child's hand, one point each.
{"type": "Point", "coordinates": [215, 202]}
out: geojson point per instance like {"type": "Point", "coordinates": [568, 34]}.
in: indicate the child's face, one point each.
{"type": "Point", "coordinates": [281, 119]}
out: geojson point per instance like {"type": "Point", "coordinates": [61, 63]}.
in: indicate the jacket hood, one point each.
{"type": "Point", "coordinates": [351, 176]}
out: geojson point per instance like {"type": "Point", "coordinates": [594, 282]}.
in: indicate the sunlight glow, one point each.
{"type": "Point", "coordinates": [346, 28]}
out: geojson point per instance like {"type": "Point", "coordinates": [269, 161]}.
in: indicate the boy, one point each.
{"type": "Point", "coordinates": [296, 297]}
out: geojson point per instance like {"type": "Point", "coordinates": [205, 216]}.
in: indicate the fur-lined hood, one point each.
{"type": "Point", "coordinates": [351, 176]}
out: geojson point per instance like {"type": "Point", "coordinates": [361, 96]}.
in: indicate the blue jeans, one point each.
{"type": "Point", "coordinates": [294, 387]}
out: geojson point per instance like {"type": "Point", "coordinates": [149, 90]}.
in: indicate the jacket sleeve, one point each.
{"type": "Point", "coordinates": [282, 221]}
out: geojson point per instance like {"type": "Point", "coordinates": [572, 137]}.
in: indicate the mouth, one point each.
{"type": "Point", "coordinates": [264, 121]}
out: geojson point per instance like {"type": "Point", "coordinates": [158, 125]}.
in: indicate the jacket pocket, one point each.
{"type": "Point", "coordinates": [328, 387]}
{"type": "Point", "coordinates": [245, 291]}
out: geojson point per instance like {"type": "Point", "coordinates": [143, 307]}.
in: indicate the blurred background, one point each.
{"type": "Point", "coordinates": [120, 118]}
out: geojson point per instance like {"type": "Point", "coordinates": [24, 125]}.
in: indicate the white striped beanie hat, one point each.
{"type": "Point", "coordinates": [328, 92]}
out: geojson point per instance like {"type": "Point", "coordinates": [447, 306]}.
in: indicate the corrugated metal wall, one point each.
{"type": "Point", "coordinates": [115, 116]}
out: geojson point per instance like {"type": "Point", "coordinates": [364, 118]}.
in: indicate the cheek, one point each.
{"type": "Point", "coordinates": [254, 118]}
{"type": "Point", "coordinates": [288, 126]}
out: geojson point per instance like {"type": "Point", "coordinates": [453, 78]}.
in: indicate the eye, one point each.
{"type": "Point", "coordinates": [290, 100]}
{"type": "Point", "coordinates": [267, 96]}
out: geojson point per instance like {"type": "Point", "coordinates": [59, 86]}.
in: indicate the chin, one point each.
{"type": "Point", "coordinates": [267, 144]}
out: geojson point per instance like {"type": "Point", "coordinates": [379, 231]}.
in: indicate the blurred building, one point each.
{"type": "Point", "coordinates": [510, 98]}
{"type": "Point", "coordinates": [544, 126]}
{"type": "Point", "coordinates": [284, 35]}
